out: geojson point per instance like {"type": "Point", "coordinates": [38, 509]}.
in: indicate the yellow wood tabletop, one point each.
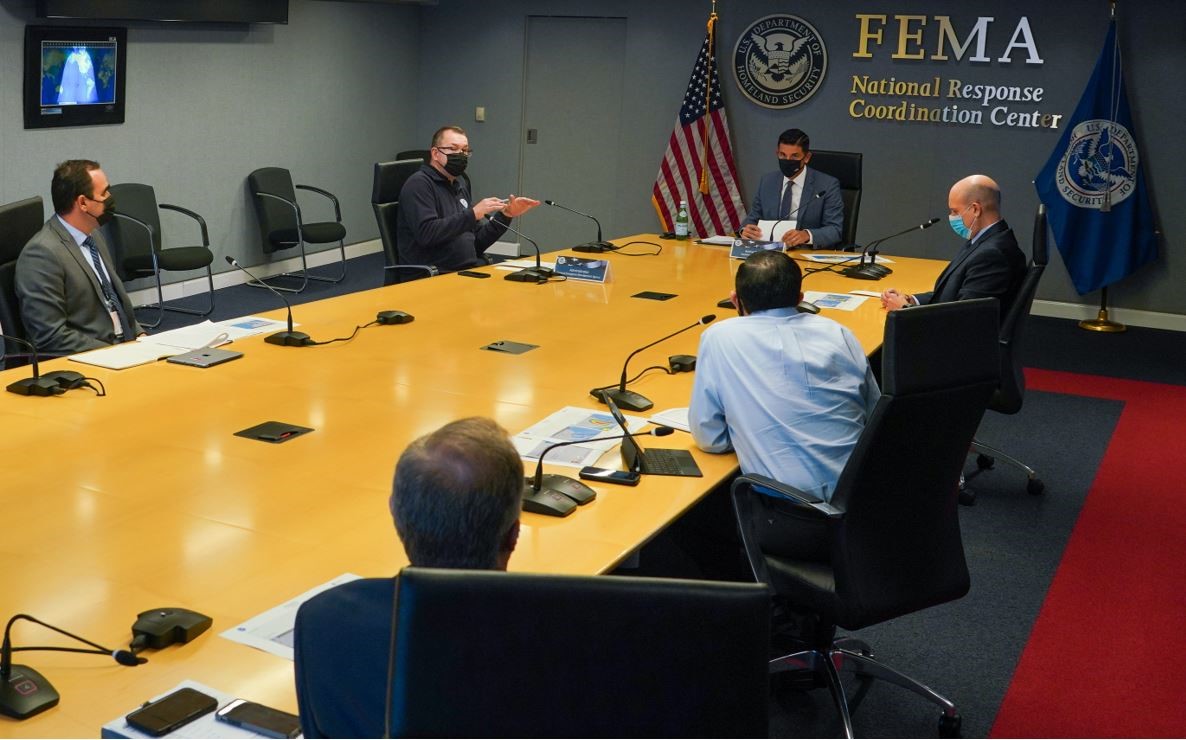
{"type": "Point", "coordinates": [144, 498]}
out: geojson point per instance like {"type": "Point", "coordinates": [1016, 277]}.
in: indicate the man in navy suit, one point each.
{"type": "Point", "coordinates": [796, 192]}
{"type": "Point", "coordinates": [990, 265]}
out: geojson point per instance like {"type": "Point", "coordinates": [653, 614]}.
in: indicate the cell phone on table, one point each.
{"type": "Point", "coordinates": [606, 475]}
{"type": "Point", "coordinates": [172, 711]}
{"type": "Point", "coordinates": [260, 719]}
{"type": "Point", "coordinates": [474, 274]}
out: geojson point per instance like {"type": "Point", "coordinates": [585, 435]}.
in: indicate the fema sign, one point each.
{"type": "Point", "coordinates": [779, 61]}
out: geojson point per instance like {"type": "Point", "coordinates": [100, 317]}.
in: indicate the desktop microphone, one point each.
{"type": "Point", "coordinates": [537, 274]}
{"type": "Point", "coordinates": [23, 691]}
{"type": "Point", "coordinates": [629, 399]}
{"type": "Point", "coordinates": [598, 246]}
{"type": "Point", "coordinates": [288, 338]}
{"type": "Point", "coordinates": [36, 385]}
{"type": "Point", "coordinates": [874, 271]}
{"type": "Point", "coordinates": [559, 495]}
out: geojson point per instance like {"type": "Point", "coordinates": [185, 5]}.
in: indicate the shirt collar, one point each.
{"type": "Point", "coordinates": [980, 233]}
{"type": "Point", "coordinates": [79, 237]}
{"type": "Point", "coordinates": [798, 179]}
{"type": "Point", "coordinates": [778, 313]}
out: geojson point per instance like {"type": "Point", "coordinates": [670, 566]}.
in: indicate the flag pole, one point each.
{"type": "Point", "coordinates": [712, 26]}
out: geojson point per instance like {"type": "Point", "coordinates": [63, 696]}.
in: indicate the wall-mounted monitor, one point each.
{"type": "Point", "coordinates": [74, 76]}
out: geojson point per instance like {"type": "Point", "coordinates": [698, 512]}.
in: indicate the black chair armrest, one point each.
{"type": "Point", "coordinates": [295, 206]}
{"type": "Point", "coordinates": [201, 221]}
{"type": "Point", "coordinates": [790, 494]}
{"type": "Point", "coordinates": [327, 194]}
{"type": "Point", "coordinates": [151, 249]}
{"type": "Point", "coordinates": [430, 269]}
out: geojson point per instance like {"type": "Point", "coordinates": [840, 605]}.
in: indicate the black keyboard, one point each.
{"type": "Point", "coordinates": [670, 462]}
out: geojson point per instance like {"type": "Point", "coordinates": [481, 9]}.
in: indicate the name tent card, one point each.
{"type": "Point", "coordinates": [580, 268]}
{"type": "Point", "coordinates": [743, 248]}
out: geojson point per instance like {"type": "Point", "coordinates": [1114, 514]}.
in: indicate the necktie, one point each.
{"type": "Point", "coordinates": [109, 294]}
{"type": "Point", "coordinates": [784, 208]}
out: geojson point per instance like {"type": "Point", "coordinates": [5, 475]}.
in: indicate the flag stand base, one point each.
{"type": "Point", "coordinates": [1102, 324]}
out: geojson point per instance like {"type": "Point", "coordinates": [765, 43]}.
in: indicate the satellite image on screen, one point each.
{"type": "Point", "coordinates": [78, 73]}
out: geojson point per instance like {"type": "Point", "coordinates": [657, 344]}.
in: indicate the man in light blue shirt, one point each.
{"type": "Point", "coordinates": [789, 391]}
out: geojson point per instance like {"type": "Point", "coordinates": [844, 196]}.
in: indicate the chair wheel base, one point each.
{"type": "Point", "coordinates": [949, 725]}
{"type": "Point", "coordinates": [1034, 486]}
{"type": "Point", "coordinates": [985, 462]}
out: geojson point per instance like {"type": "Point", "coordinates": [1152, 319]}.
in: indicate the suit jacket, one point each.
{"type": "Point", "coordinates": [824, 217]}
{"type": "Point", "coordinates": [61, 302]}
{"type": "Point", "coordinates": [342, 652]}
{"type": "Point", "coordinates": [992, 268]}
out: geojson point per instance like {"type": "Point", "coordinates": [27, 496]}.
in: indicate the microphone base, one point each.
{"type": "Point", "coordinates": [863, 272]}
{"type": "Point", "coordinates": [289, 339]}
{"type": "Point", "coordinates": [36, 387]}
{"type": "Point", "coordinates": [547, 503]}
{"type": "Point", "coordinates": [628, 400]}
{"type": "Point", "coordinates": [25, 692]}
{"type": "Point", "coordinates": [530, 275]}
{"type": "Point", "coordinates": [597, 247]}
{"type": "Point", "coordinates": [570, 487]}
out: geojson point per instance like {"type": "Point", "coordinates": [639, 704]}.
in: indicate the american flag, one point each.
{"type": "Point", "coordinates": [698, 166]}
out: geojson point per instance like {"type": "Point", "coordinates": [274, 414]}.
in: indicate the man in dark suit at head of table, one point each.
{"type": "Point", "coordinates": [990, 265]}
{"type": "Point", "coordinates": [455, 502]}
{"type": "Point", "coordinates": [71, 298]}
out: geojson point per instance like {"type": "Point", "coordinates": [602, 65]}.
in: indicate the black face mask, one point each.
{"type": "Point", "coordinates": [108, 211]}
{"type": "Point", "coordinates": [790, 167]}
{"type": "Point", "coordinates": [455, 163]}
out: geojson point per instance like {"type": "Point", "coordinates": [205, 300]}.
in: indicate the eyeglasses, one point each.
{"type": "Point", "coordinates": [455, 150]}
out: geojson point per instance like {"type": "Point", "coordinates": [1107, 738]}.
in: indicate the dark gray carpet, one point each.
{"type": "Point", "coordinates": [1152, 355]}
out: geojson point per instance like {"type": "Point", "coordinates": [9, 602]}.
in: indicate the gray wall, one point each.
{"type": "Point", "coordinates": [325, 96]}
{"type": "Point", "coordinates": [908, 167]}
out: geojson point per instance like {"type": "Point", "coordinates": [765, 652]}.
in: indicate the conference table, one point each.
{"type": "Point", "coordinates": [145, 498]}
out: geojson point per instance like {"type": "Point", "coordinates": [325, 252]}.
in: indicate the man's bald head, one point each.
{"type": "Point", "coordinates": [979, 189]}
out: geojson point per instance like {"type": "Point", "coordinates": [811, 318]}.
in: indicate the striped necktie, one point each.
{"type": "Point", "coordinates": [109, 294]}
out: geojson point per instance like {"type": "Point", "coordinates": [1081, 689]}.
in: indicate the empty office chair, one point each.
{"type": "Point", "coordinates": [845, 167]}
{"type": "Point", "coordinates": [892, 527]}
{"type": "Point", "coordinates": [137, 244]}
{"type": "Point", "coordinates": [19, 221]}
{"type": "Point", "coordinates": [486, 654]}
{"type": "Point", "coordinates": [389, 181]}
{"type": "Point", "coordinates": [1011, 393]}
{"type": "Point", "coordinates": [282, 226]}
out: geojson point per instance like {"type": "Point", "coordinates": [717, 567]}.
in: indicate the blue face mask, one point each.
{"type": "Point", "coordinates": [958, 225]}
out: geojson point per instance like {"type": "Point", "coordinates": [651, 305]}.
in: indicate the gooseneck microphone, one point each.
{"type": "Point", "coordinates": [288, 338]}
{"type": "Point", "coordinates": [598, 246]}
{"type": "Point", "coordinates": [629, 399]}
{"type": "Point", "coordinates": [537, 274]}
{"type": "Point", "coordinates": [872, 270]}
{"type": "Point", "coordinates": [36, 385]}
{"type": "Point", "coordinates": [559, 495]}
{"type": "Point", "coordinates": [23, 691]}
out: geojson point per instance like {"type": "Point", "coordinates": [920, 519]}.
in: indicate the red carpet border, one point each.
{"type": "Point", "coordinates": [1107, 655]}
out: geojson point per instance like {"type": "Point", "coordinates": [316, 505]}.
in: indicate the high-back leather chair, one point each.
{"type": "Point", "coordinates": [389, 181]}
{"type": "Point", "coordinates": [282, 226]}
{"type": "Point", "coordinates": [1011, 394]}
{"type": "Point", "coordinates": [486, 654]}
{"type": "Point", "coordinates": [19, 221]}
{"type": "Point", "coordinates": [892, 526]}
{"type": "Point", "coordinates": [845, 167]}
{"type": "Point", "coordinates": [137, 245]}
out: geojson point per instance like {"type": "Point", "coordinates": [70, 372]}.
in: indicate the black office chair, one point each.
{"type": "Point", "coordinates": [484, 654]}
{"type": "Point", "coordinates": [389, 181]}
{"type": "Point", "coordinates": [137, 242]}
{"type": "Point", "coordinates": [845, 167]}
{"type": "Point", "coordinates": [19, 221]}
{"type": "Point", "coordinates": [1011, 394]}
{"type": "Point", "coordinates": [892, 526]}
{"type": "Point", "coordinates": [282, 226]}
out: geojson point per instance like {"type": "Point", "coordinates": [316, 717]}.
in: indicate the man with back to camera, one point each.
{"type": "Point", "coordinates": [455, 502]}
{"type": "Point", "coordinates": [990, 265]}
{"type": "Point", "coordinates": [792, 192]}
{"type": "Point", "coordinates": [439, 225]}
{"type": "Point", "coordinates": [790, 392]}
{"type": "Point", "coordinates": [71, 298]}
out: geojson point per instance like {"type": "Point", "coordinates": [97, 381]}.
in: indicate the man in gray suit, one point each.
{"type": "Point", "coordinates": [71, 298]}
{"type": "Point", "coordinates": [797, 193]}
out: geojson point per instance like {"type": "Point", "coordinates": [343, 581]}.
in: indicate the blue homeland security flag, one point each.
{"type": "Point", "coordinates": [1093, 187]}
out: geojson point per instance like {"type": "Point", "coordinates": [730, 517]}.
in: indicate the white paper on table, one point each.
{"type": "Point", "coordinates": [198, 336]}
{"type": "Point", "coordinates": [870, 293]}
{"type": "Point", "coordinates": [676, 418]}
{"type": "Point", "coordinates": [523, 264]}
{"type": "Point", "coordinates": [250, 326]}
{"type": "Point", "coordinates": [204, 726]}
{"type": "Point", "coordinates": [717, 241]}
{"type": "Point", "coordinates": [569, 424]}
{"type": "Point", "coordinates": [272, 630]}
{"type": "Point", "coordinates": [838, 301]}
{"type": "Point", "coordinates": [126, 354]}
{"type": "Point", "coordinates": [773, 229]}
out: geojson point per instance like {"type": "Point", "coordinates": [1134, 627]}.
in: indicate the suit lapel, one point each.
{"type": "Point", "coordinates": [75, 253]}
{"type": "Point", "coordinates": [965, 253]}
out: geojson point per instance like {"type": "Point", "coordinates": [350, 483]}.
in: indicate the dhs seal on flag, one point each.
{"type": "Point", "coordinates": [1100, 159]}
{"type": "Point", "coordinates": [780, 61]}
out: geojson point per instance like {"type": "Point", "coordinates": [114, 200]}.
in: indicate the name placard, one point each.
{"type": "Point", "coordinates": [580, 268]}
{"type": "Point", "coordinates": [743, 248]}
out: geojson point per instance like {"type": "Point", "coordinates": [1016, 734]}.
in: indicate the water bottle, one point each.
{"type": "Point", "coordinates": [681, 221]}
